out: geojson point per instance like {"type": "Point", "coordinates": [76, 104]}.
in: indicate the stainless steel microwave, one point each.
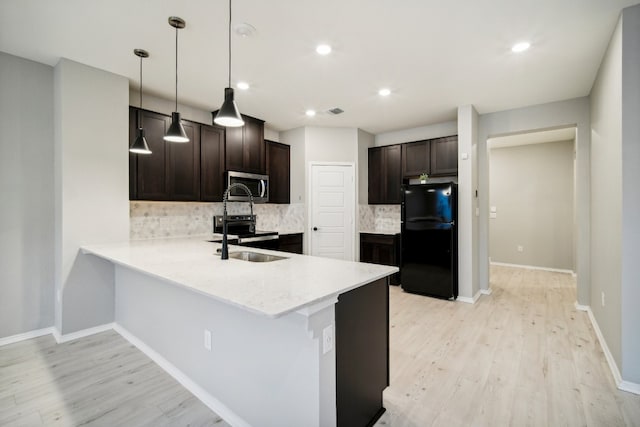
{"type": "Point", "coordinates": [257, 184]}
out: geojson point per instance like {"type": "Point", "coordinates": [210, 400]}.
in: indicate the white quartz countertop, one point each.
{"type": "Point", "coordinates": [267, 288]}
{"type": "Point", "coordinates": [381, 231]}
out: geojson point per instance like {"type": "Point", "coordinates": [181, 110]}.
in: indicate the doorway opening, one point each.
{"type": "Point", "coordinates": [532, 187]}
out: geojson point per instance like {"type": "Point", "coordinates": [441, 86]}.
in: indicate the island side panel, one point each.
{"type": "Point", "coordinates": [362, 353]}
{"type": "Point", "coordinates": [267, 372]}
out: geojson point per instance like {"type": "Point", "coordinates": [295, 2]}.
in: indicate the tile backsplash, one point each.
{"type": "Point", "coordinates": [380, 218]}
{"type": "Point", "coordinates": [179, 219]}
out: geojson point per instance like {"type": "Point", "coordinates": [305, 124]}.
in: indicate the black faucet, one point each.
{"type": "Point", "coordinates": [252, 228]}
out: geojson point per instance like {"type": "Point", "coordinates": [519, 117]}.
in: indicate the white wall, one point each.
{"type": "Point", "coordinates": [416, 134]}
{"type": "Point", "coordinates": [295, 139]}
{"type": "Point", "coordinates": [630, 194]}
{"type": "Point", "coordinates": [468, 284]}
{"type": "Point", "coordinates": [606, 194]}
{"type": "Point", "coordinates": [570, 113]}
{"type": "Point", "coordinates": [532, 191]}
{"type": "Point", "coordinates": [91, 189]}
{"type": "Point", "coordinates": [331, 144]}
{"type": "Point", "coordinates": [26, 185]}
{"type": "Point", "coordinates": [365, 140]}
{"type": "Point", "coordinates": [615, 232]}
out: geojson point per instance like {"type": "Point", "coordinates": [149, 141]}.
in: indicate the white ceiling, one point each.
{"type": "Point", "coordinates": [434, 55]}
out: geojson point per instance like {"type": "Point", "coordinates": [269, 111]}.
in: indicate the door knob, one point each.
{"type": "Point", "coordinates": [315, 228]}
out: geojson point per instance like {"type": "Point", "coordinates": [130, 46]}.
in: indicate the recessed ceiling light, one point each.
{"type": "Point", "coordinates": [384, 92]}
{"type": "Point", "coordinates": [310, 113]}
{"type": "Point", "coordinates": [520, 47]}
{"type": "Point", "coordinates": [242, 85]}
{"type": "Point", "coordinates": [323, 49]}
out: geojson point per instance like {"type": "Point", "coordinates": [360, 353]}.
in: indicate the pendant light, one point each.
{"type": "Point", "coordinates": [228, 115]}
{"type": "Point", "coordinates": [140, 145]}
{"type": "Point", "coordinates": [176, 132]}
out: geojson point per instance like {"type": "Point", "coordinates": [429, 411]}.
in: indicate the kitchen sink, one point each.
{"type": "Point", "coordinates": [255, 256]}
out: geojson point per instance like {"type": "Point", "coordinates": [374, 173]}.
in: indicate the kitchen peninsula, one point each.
{"type": "Point", "coordinates": [301, 341]}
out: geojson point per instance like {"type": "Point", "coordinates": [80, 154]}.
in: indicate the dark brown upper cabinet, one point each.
{"type": "Point", "coordinates": [172, 170]}
{"type": "Point", "coordinates": [133, 158]}
{"type": "Point", "coordinates": [444, 156]}
{"type": "Point", "coordinates": [212, 183]}
{"type": "Point", "coordinates": [435, 157]}
{"type": "Point", "coordinates": [183, 165]}
{"type": "Point", "coordinates": [416, 158]}
{"type": "Point", "coordinates": [149, 174]}
{"type": "Point", "coordinates": [385, 175]}
{"type": "Point", "coordinates": [278, 169]}
{"type": "Point", "coordinates": [245, 149]}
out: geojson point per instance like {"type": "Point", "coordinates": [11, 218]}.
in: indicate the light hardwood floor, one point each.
{"type": "Point", "coordinates": [523, 356]}
{"type": "Point", "coordinates": [100, 380]}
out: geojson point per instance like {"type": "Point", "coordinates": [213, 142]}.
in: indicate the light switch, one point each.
{"type": "Point", "coordinates": [465, 156]}
{"type": "Point", "coordinates": [493, 215]}
{"type": "Point", "coordinates": [327, 339]}
{"type": "Point", "coordinates": [494, 209]}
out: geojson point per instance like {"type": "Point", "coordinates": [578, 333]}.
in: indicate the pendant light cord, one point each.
{"type": "Point", "coordinates": [141, 82]}
{"type": "Point", "coordinates": [229, 43]}
{"type": "Point", "coordinates": [176, 69]}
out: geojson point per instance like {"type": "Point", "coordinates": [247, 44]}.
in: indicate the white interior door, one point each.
{"type": "Point", "coordinates": [332, 211]}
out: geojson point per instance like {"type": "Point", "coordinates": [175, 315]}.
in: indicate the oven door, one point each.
{"type": "Point", "coordinates": [261, 242]}
{"type": "Point", "coordinates": [257, 184]}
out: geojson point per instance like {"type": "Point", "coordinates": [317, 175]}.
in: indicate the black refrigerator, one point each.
{"type": "Point", "coordinates": [429, 258]}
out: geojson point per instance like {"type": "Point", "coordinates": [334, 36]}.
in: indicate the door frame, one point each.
{"type": "Point", "coordinates": [354, 210]}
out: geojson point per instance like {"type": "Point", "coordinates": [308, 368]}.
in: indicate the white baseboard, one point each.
{"type": "Point", "coordinates": [469, 300]}
{"type": "Point", "coordinates": [617, 377]}
{"type": "Point", "coordinates": [534, 267]}
{"type": "Point", "coordinates": [25, 336]}
{"type": "Point", "coordinates": [581, 307]}
{"type": "Point", "coordinates": [629, 387]}
{"type": "Point", "coordinates": [80, 334]}
{"type": "Point", "coordinates": [214, 404]}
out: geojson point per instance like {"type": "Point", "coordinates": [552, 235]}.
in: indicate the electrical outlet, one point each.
{"type": "Point", "coordinates": [327, 339]}
{"type": "Point", "coordinates": [207, 339]}
{"type": "Point", "coordinates": [520, 248]}
{"type": "Point", "coordinates": [602, 295]}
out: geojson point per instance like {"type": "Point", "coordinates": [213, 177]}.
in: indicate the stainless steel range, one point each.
{"type": "Point", "coordinates": [242, 226]}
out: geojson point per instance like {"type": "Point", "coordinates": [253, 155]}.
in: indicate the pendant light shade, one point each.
{"type": "Point", "coordinates": [176, 132]}
{"type": "Point", "coordinates": [228, 115]}
{"type": "Point", "coordinates": [140, 145]}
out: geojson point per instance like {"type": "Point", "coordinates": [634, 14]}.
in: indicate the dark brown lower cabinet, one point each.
{"type": "Point", "coordinates": [290, 243]}
{"type": "Point", "coordinates": [381, 249]}
{"type": "Point", "coordinates": [362, 354]}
